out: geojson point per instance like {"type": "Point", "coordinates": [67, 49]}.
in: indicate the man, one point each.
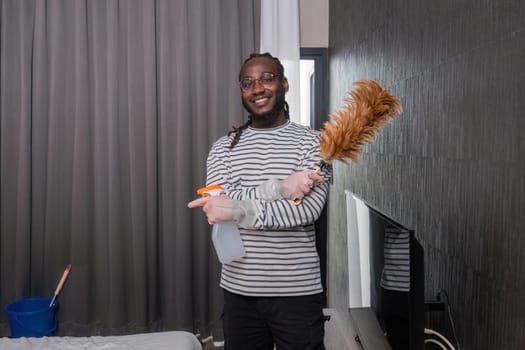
{"type": "Point", "coordinates": [272, 295]}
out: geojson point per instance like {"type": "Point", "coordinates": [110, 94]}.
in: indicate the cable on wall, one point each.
{"type": "Point", "coordinates": [449, 312]}
{"type": "Point", "coordinates": [429, 331]}
{"type": "Point", "coordinates": [434, 341]}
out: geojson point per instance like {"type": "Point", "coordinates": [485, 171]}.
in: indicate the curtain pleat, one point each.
{"type": "Point", "coordinates": [108, 110]}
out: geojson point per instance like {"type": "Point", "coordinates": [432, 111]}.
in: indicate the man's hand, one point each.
{"type": "Point", "coordinates": [217, 208]}
{"type": "Point", "coordinates": [298, 184]}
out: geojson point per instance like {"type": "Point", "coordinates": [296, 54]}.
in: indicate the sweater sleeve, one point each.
{"type": "Point", "coordinates": [280, 214]}
{"type": "Point", "coordinates": [217, 165]}
{"type": "Point", "coordinates": [273, 212]}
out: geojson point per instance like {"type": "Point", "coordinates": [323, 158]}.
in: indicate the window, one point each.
{"type": "Point", "coordinates": [313, 70]}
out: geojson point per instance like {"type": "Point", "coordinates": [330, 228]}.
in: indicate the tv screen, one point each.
{"type": "Point", "coordinates": [386, 273]}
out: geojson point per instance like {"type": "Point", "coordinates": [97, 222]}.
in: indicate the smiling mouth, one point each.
{"type": "Point", "coordinates": [260, 101]}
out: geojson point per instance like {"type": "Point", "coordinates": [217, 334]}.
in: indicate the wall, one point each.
{"type": "Point", "coordinates": [313, 19]}
{"type": "Point", "coordinates": [452, 166]}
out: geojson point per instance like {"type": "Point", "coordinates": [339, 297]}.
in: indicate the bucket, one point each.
{"type": "Point", "coordinates": [31, 317]}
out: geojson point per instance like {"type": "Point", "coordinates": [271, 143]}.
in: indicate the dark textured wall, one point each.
{"type": "Point", "coordinates": [452, 166]}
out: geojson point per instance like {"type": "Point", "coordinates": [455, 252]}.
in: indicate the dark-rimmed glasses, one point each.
{"type": "Point", "coordinates": [267, 79]}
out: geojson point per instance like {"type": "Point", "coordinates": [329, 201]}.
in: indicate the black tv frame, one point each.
{"type": "Point", "coordinates": [401, 315]}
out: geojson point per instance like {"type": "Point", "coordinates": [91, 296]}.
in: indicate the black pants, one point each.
{"type": "Point", "coordinates": [257, 323]}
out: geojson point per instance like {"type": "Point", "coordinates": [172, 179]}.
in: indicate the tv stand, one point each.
{"type": "Point", "coordinates": [353, 329]}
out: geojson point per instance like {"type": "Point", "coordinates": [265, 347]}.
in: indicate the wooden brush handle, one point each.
{"type": "Point", "coordinates": [63, 279]}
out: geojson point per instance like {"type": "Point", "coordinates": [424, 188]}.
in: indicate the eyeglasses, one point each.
{"type": "Point", "coordinates": [266, 79]}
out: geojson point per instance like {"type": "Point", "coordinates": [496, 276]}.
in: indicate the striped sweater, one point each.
{"type": "Point", "coordinates": [281, 257]}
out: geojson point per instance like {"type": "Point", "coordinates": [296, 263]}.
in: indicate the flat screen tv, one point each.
{"type": "Point", "coordinates": [386, 273]}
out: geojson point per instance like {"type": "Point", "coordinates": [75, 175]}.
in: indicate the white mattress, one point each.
{"type": "Point", "coordinates": [175, 340]}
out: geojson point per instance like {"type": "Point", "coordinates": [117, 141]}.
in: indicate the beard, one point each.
{"type": "Point", "coordinates": [272, 115]}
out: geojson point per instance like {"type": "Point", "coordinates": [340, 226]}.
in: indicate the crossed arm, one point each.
{"type": "Point", "coordinates": [256, 213]}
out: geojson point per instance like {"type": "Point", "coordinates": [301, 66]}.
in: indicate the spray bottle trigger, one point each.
{"type": "Point", "coordinates": [211, 190]}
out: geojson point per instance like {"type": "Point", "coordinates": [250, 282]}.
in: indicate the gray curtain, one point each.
{"type": "Point", "coordinates": [108, 110]}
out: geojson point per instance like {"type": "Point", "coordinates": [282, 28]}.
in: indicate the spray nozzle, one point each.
{"type": "Point", "coordinates": [211, 190]}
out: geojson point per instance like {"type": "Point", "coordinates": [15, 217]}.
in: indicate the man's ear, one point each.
{"type": "Point", "coordinates": [285, 84]}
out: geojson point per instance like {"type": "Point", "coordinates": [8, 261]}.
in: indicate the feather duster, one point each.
{"type": "Point", "coordinates": [367, 108]}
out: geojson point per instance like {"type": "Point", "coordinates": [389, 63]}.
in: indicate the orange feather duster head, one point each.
{"type": "Point", "coordinates": [367, 108]}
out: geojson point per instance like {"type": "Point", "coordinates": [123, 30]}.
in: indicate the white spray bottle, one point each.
{"type": "Point", "coordinates": [225, 235]}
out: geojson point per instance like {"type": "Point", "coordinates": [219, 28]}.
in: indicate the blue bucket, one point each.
{"type": "Point", "coordinates": [31, 317]}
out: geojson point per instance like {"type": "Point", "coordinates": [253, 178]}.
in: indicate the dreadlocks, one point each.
{"type": "Point", "coordinates": [280, 68]}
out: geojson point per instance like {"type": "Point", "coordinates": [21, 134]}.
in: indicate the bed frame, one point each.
{"type": "Point", "coordinates": [179, 340]}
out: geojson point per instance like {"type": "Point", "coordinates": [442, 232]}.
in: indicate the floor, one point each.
{"type": "Point", "coordinates": [209, 344]}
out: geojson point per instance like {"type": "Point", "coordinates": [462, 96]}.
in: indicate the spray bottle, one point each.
{"type": "Point", "coordinates": [225, 235]}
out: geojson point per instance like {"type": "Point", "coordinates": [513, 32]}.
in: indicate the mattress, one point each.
{"type": "Point", "coordinates": [173, 340]}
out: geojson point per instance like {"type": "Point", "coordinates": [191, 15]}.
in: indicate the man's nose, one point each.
{"type": "Point", "coordinates": [258, 86]}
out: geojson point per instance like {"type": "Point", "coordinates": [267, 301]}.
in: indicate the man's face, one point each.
{"type": "Point", "coordinates": [263, 99]}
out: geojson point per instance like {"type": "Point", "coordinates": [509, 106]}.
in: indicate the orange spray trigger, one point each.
{"type": "Point", "coordinates": [211, 190]}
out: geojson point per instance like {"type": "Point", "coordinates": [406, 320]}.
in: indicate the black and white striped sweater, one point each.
{"type": "Point", "coordinates": [281, 257]}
